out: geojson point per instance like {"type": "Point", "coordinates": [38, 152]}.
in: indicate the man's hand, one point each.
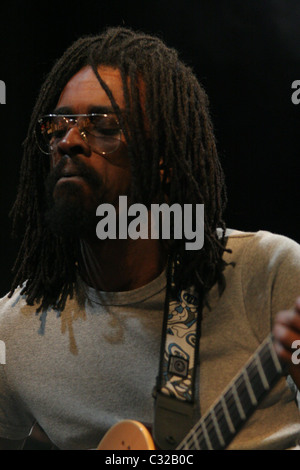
{"type": "Point", "coordinates": [286, 333]}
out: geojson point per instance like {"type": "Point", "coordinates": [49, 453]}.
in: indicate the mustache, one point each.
{"type": "Point", "coordinates": [89, 174]}
{"type": "Point", "coordinates": [80, 169]}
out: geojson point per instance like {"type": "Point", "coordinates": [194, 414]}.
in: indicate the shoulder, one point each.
{"type": "Point", "coordinates": [263, 261]}
{"type": "Point", "coordinates": [263, 237]}
{"type": "Point", "coordinates": [262, 276]}
{"type": "Point", "coordinates": [262, 246]}
{"type": "Point", "coordinates": [16, 300]}
{"type": "Point", "coordinates": [11, 308]}
{"type": "Point", "coordinates": [266, 267]}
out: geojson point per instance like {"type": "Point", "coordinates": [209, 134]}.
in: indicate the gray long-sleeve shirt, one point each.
{"type": "Point", "coordinates": [80, 372]}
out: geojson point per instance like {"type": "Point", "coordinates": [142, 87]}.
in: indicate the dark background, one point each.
{"type": "Point", "coordinates": [246, 53]}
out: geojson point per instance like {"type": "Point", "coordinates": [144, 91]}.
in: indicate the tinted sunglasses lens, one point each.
{"type": "Point", "coordinates": [103, 133]}
{"type": "Point", "coordinates": [50, 129]}
{"type": "Point", "coordinates": [41, 136]}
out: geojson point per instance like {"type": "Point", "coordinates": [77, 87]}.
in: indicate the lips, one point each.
{"type": "Point", "coordinates": [70, 177]}
{"type": "Point", "coordinates": [68, 173]}
{"type": "Point", "coordinates": [73, 170]}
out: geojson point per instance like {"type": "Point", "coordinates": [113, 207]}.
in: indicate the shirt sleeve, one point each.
{"type": "Point", "coordinates": [14, 423]}
{"type": "Point", "coordinates": [270, 279]}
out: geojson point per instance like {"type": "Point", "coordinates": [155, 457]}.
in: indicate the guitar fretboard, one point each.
{"type": "Point", "coordinates": [219, 425]}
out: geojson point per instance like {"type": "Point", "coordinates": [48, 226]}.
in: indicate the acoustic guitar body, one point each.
{"type": "Point", "coordinates": [127, 435]}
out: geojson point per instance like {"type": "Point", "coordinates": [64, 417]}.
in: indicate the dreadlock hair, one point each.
{"type": "Point", "coordinates": [172, 128]}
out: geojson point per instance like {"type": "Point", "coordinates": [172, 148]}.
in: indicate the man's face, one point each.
{"type": "Point", "coordinates": [81, 178]}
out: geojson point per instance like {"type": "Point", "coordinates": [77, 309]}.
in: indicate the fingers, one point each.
{"type": "Point", "coordinates": [290, 318]}
{"type": "Point", "coordinates": [286, 332]}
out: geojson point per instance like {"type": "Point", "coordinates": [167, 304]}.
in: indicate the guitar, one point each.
{"type": "Point", "coordinates": [219, 425]}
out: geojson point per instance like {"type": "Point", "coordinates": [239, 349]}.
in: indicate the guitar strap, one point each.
{"type": "Point", "coordinates": [176, 392]}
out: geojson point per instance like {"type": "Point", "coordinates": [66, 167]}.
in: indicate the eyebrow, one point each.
{"type": "Point", "coordinates": [90, 110]}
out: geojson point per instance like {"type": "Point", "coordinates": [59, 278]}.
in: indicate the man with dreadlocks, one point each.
{"type": "Point", "coordinates": [86, 319]}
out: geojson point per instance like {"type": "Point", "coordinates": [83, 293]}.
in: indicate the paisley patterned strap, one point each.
{"type": "Point", "coordinates": [176, 406]}
{"type": "Point", "coordinates": [180, 346]}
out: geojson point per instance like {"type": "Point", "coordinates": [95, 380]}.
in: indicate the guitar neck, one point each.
{"type": "Point", "coordinates": [219, 425]}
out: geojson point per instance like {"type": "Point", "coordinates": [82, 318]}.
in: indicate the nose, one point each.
{"type": "Point", "coordinates": [72, 143]}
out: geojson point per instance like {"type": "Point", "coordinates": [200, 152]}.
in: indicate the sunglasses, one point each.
{"type": "Point", "coordinates": [101, 132]}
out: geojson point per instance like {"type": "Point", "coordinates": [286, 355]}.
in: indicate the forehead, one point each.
{"type": "Point", "coordinates": [83, 90]}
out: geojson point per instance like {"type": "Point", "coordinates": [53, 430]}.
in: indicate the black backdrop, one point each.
{"type": "Point", "coordinates": [246, 53]}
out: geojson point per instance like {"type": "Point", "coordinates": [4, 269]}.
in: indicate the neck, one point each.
{"type": "Point", "coordinates": [120, 265]}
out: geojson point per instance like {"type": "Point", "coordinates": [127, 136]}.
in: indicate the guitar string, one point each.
{"type": "Point", "coordinates": [240, 386]}
{"type": "Point", "coordinates": [264, 354]}
{"type": "Point", "coordinates": [230, 402]}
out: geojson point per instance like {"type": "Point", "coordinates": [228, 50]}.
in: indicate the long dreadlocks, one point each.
{"type": "Point", "coordinates": [172, 128]}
